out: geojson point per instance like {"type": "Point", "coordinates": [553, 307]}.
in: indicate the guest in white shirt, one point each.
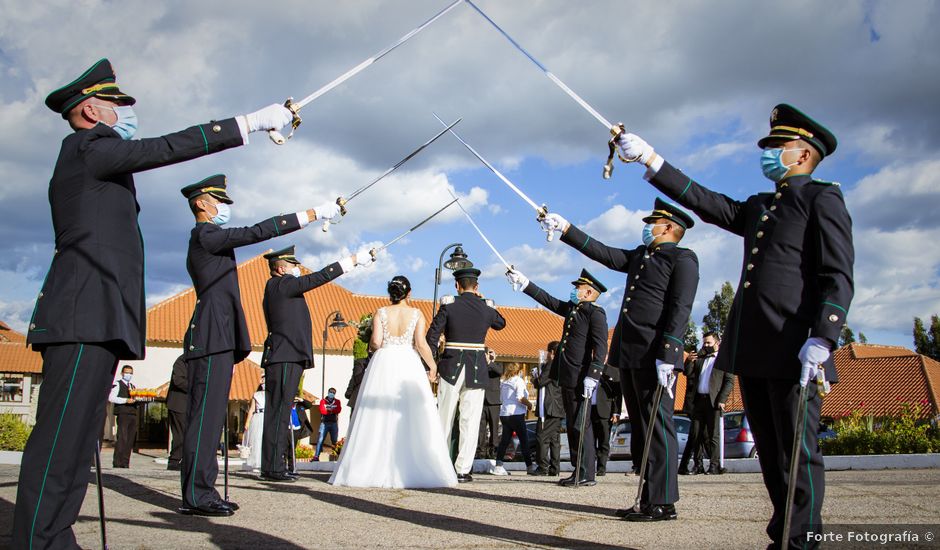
{"type": "Point", "coordinates": [514, 405]}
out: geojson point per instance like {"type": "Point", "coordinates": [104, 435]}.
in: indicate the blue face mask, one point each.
{"type": "Point", "coordinates": [126, 125]}
{"type": "Point", "coordinates": [574, 296]}
{"type": "Point", "coordinates": [127, 377]}
{"type": "Point", "coordinates": [648, 236]}
{"type": "Point", "coordinates": [223, 214]}
{"type": "Point", "coordinates": [331, 395]}
{"type": "Point", "coordinates": [771, 163]}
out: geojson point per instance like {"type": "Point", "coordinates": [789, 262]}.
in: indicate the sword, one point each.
{"type": "Point", "coordinates": [295, 107]}
{"type": "Point", "coordinates": [615, 130]}
{"type": "Point", "coordinates": [585, 403]}
{"type": "Point", "coordinates": [542, 211]}
{"type": "Point", "coordinates": [374, 252]}
{"type": "Point", "coordinates": [482, 236]}
{"type": "Point", "coordinates": [657, 399]}
{"type": "Point", "coordinates": [342, 201]}
{"type": "Point", "coordinates": [101, 517]}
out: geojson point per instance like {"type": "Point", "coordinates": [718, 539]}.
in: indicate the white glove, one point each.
{"type": "Point", "coordinates": [632, 147]}
{"type": "Point", "coordinates": [272, 117]}
{"type": "Point", "coordinates": [364, 258]}
{"type": "Point", "coordinates": [327, 211]}
{"type": "Point", "coordinates": [554, 222]}
{"type": "Point", "coordinates": [813, 353]}
{"type": "Point", "coordinates": [666, 374]}
{"type": "Point", "coordinates": [590, 385]}
{"type": "Point", "coordinates": [517, 280]}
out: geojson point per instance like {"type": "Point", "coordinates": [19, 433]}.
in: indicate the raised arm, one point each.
{"type": "Point", "coordinates": [215, 239]}
{"type": "Point", "coordinates": [714, 208]}
{"type": "Point", "coordinates": [547, 300]}
{"type": "Point", "coordinates": [617, 259]}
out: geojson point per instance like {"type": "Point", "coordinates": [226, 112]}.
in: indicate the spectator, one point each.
{"type": "Point", "coordinates": [330, 408]}
{"type": "Point", "coordinates": [254, 429]}
{"type": "Point", "coordinates": [707, 390]}
{"type": "Point", "coordinates": [550, 410]}
{"type": "Point", "coordinates": [514, 397]}
{"type": "Point", "coordinates": [486, 444]}
{"type": "Point", "coordinates": [125, 410]}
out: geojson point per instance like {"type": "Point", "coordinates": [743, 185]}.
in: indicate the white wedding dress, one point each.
{"type": "Point", "coordinates": [395, 440]}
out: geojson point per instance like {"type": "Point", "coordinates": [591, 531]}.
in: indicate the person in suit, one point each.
{"type": "Point", "coordinates": [90, 312]}
{"type": "Point", "coordinates": [177, 404]}
{"type": "Point", "coordinates": [792, 300]}
{"type": "Point", "coordinates": [125, 409]}
{"type": "Point", "coordinates": [578, 364]}
{"type": "Point", "coordinates": [486, 445]}
{"type": "Point", "coordinates": [648, 339]}
{"type": "Point", "coordinates": [288, 349]}
{"type": "Point", "coordinates": [217, 335]}
{"type": "Point", "coordinates": [706, 391]}
{"type": "Point", "coordinates": [463, 320]}
{"type": "Point", "coordinates": [605, 409]}
{"type": "Point", "coordinates": [550, 410]}
{"type": "Point", "coordinates": [355, 380]}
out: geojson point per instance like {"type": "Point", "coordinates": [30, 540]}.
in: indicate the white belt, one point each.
{"type": "Point", "coordinates": [464, 346]}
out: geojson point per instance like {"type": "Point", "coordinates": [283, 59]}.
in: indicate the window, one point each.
{"type": "Point", "coordinates": [11, 388]}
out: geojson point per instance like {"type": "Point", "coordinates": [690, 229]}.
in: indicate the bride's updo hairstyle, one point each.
{"type": "Point", "coordinates": [398, 288]}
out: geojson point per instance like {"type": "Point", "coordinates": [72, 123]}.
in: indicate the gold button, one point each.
{"type": "Point", "coordinates": [760, 234]}
{"type": "Point", "coordinates": [192, 326]}
{"type": "Point", "coordinates": [747, 284]}
{"type": "Point", "coordinates": [754, 250]}
{"type": "Point", "coordinates": [197, 301]}
{"type": "Point", "coordinates": [32, 326]}
{"type": "Point", "coordinates": [632, 287]}
{"type": "Point", "coordinates": [40, 294]}
{"type": "Point", "coordinates": [833, 317]}
{"type": "Point", "coordinates": [773, 207]}
{"type": "Point", "coordinates": [637, 277]}
{"type": "Point", "coordinates": [216, 128]}
{"type": "Point", "coordinates": [191, 348]}
{"type": "Point", "coordinates": [56, 251]}
{"type": "Point", "coordinates": [666, 346]}
{"type": "Point", "coordinates": [750, 267]}
{"type": "Point", "coordinates": [646, 256]}
{"type": "Point", "coordinates": [764, 218]}
{"type": "Point", "coordinates": [778, 194]}
{"type": "Point", "coordinates": [643, 266]}
{"type": "Point", "coordinates": [628, 298]}
{"type": "Point", "coordinates": [283, 222]}
{"type": "Point", "coordinates": [625, 310]}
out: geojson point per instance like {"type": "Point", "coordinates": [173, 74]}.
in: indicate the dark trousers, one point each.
{"type": "Point", "coordinates": [633, 412]}
{"type": "Point", "coordinates": [177, 432]}
{"type": "Point", "coordinates": [487, 440]}
{"type": "Point", "coordinates": [54, 477]}
{"type": "Point", "coordinates": [703, 433]}
{"type": "Point", "coordinates": [210, 379]}
{"type": "Point", "coordinates": [662, 485]}
{"type": "Point", "coordinates": [548, 435]}
{"type": "Point", "coordinates": [575, 414]}
{"type": "Point", "coordinates": [514, 423]}
{"type": "Point", "coordinates": [771, 409]}
{"type": "Point", "coordinates": [601, 427]}
{"type": "Point", "coordinates": [280, 388]}
{"type": "Point", "coordinates": [126, 437]}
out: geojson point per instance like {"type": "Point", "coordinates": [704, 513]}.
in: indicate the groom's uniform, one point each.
{"type": "Point", "coordinates": [464, 321]}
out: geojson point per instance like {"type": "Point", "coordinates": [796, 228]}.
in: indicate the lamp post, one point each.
{"type": "Point", "coordinates": [458, 260]}
{"type": "Point", "coordinates": [337, 324]}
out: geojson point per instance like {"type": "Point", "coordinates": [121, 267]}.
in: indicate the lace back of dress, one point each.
{"type": "Point", "coordinates": [403, 340]}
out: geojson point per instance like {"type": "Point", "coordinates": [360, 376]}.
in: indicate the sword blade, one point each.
{"type": "Point", "coordinates": [512, 186]}
{"type": "Point", "coordinates": [360, 67]}
{"type": "Point", "coordinates": [401, 162]}
{"type": "Point", "coordinates": [422, 222]}
{"type": "Point", "coordinates": [545, 70]}
{"type": "Point", "coordinates": [480, 231]}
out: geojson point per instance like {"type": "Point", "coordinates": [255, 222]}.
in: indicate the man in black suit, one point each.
{"type": "Point", "coordinates": [579, 363]}
{"type": "Point", "coordinates": [91, 310]}
{"type": "Point", "coordinates": [463, 320]}
{"type": "Point", "coordinates": [177, 404]}
{"type": "Point", "coordinates": [125, 410]}
{"type": "Point", "coordinates": [486, 445]}
{"type": "Point", "coordinates": [604, 411]}
{"type": "Point", "coordinates": [288, 349]}
{"type": "Point", "coordinates": [648, 339]}
{"type": "Point", "coordinates": [550, 410]}
{"type": "Point", "coordinates": [217, 336]}
{"type": "Point", "coordinates": [792, 301]}
{"type": "Point", "coordinates": [706, 391]}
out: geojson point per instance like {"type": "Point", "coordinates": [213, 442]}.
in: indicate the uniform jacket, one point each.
{"type": "Point", "coordinates": [495, 372]}
{"type": "Point", "coordinates": [218, 322]}
{"type": "Point", "coordinates": [583, 343]}
{"type": "Point", "coordinates": [720, 384]}
{"type": "Point", "coordinates": [796, 279]}
{"type": "Point", "coordinates": [609, 394]}
{"type": "Point", "coordinates": [177, 395]}
{"type": "Point", "coordinates": [290, 332]}
{"type": "Point", "coordinates": [94, 289]}
{"type": "Point", "coordinates": [657, 301]}
{"type": "Point", "coordinates": [466, 319]}
{"type": "Point", "coordinates": [553, 404]}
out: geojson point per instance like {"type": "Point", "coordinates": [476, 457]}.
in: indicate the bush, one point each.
{"type": "Point", "coordinates": [13, 432]}
{"type": "Point", "coordinates": [861, 434]}
{"type": "Point", "coordinates": [304, 451]}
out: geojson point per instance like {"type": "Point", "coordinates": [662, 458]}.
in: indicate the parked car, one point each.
{"type": "Point", "coordinates": [739, 442]}
{"type": "Point", "coordinates": [513, 454]}
{"type": "Point", "coordinates": [620, 440]}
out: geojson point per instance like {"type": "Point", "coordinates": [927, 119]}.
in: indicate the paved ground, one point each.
{"type": "Point", "coordinates": [520, 511]}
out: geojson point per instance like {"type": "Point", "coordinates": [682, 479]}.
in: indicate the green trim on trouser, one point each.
{"type": "Point", "coordinates": [32, 529]}
{"type": "Point", "coordinates": [662, 418]}
{"type": "Point", "coordinates": [280, 402]}
{"type": "Point", "coordinates": [809, 473]}
{"type": "Point", "coordinates": [202, 414]}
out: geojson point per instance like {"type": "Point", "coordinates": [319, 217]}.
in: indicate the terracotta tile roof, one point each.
{"type": "Point", "coordinates": [16, 357]}
{"type": "Point", "coordinates": [7, 334]}
{"type": "Point", "coordinates": [864, 351]}
{"type": "Point", "coordinates": [527, 329]}
{"type": "Point", "coordinates": [245, 382]}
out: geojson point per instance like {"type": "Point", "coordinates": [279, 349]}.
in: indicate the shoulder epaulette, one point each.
{"type": "Point", "coordinates": [824, 182]}
{"type": "Point", "coordinates": [447, 300]}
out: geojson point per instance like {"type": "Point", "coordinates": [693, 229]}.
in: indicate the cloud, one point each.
{"type": "Point", "coordinates": [898, 195]}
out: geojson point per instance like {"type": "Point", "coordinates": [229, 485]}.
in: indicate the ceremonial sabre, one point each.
{"type": "Point", "coordinates": [615, 130]}
{"type": "Point", "coordinates": [585, 403]}
{"type": "Point", "coordinates": [375, 251]}
{"type": "Point", "coordinates": [295, 108]}
{"type": "Point", "coordinates": [342, 201]}
{"type": "Point", "coordinates": [657, 399]}
{"type": "Point", "coordinates": [541, 210]}
{"type": "Point", "coordinates": [482, 236]}
{"type": "Point", "coordinates": [101, 518]}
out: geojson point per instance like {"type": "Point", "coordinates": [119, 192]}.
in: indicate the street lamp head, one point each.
{"type": "Point", "coordinates": [338, 322]}
{"type": "Point", "coordinates": [458, 260]}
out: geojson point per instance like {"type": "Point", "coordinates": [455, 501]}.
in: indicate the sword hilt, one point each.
{"type": "Point", "coordinates": [279, 138]}
{"type": "Point", "coordinates": [822, 385]}
{"type": "Point", "coordinates": [341, 202]}
{"type": "Point", "coordinates": [542, 213]}
{"type": "Point", "coordinates": [616, 131]}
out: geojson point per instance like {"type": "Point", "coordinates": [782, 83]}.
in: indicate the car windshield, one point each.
{"type": "Point", "coordinates": [682, 424]}
{"type": "Point", "coordinates": [733, 420]}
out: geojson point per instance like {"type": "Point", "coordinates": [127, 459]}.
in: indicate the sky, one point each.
{"type": "Point", "coordinates": [697, 80]}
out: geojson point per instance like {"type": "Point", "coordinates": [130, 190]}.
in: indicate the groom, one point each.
{"type": "Point", "coordinates": [464, 321]}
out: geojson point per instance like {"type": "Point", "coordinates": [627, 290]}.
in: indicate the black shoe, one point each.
{"type": "Point", "coordinates": [583, 482]}
{"type": "Point", "coordinates": [213, 509]}
{"type": "Point", "coordinates": [569, 479]}
{"type": "Point", "coordinates": [656, 512]}
{"type": "Point", "coordinates": [683, 471]}
{"type": "Point", "coordinates": [553, 472]}
{"type": "Point", "coordinates": [714, 470]}
{"type": "Point", "coordinates": [602, 471]}
{"type": "Point", "coordinates": [277, 477]}
{"type": "Point", "coordinates": [464, 478]}
{"type": "Point", "coordinates": [624, 512]}
{"type": "Point", "coordinates": [230, 504]}
{"type": "Point", "coordinates": [294, 475]}
{"type": "Point", "coordinates": [174, 466]}
{"type": "Point", "coordinates": [538, 472]}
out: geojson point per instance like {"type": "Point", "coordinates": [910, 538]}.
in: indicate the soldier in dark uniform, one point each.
{"type": "Point", "coordinates": [606, 409]}
{"type": "Point", "coordinates": [177, 405]}
{"type": "Point", "coordinates": [579, 362]}
{"type": "Point", "coordinates": [486, 445]}
{"type": "Point", "coordinates": [463, 320]}
{"type": "Point", "coordinates": [217, 336]}
{"type": "Point", "coordinates": [90, 312]}
{"type": "Point", "coordinates": [288, 349]}
{"type": "Point", "coordinates": [648, 339]}
{"type": "Point", "coordinates": [550, 409]}
{"type": "Point", "coordinates": [792, 300]}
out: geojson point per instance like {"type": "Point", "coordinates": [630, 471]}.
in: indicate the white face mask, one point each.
{"type": "Point", "coordinates": [295, 271]}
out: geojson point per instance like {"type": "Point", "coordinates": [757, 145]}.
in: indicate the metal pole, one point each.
{"type": "Point", "coordinates": [437, 276]}
{"type": "Point", "coordinates": [657, 398]}
{"type": "Point", "coordinates": [721, 441]}
{"type": "Point", "coordinates": [225, 453]}
{"type": "Point", "coordinates": [101, 517]}
{"type": "Point", "coordinates": [794, 465]}
{"type": "Point", "coordinates": [585, 403]}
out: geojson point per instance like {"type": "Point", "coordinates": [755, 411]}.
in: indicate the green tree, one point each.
{"type": "Point", "coordinates": [691, 337]}
{"type": "Point", "coordinates": [846, 337]}
{"type": "Point", "coordinates": [927, 342]}
{"type": "Point", "coordinates": [861, 338]}
{"type": "Point", "coordinates": [719, 307]}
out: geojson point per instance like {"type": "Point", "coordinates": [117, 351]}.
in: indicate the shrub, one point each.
{"type": "Point", "coordinates": [864, 434]}
{"type": "Point", "coordinates": [13, 432]}
{"type": "Point", "coordinates": [304, 451]}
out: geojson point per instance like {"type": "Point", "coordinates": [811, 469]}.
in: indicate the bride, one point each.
{"type": "Point", "coordinates": [395, 439]}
